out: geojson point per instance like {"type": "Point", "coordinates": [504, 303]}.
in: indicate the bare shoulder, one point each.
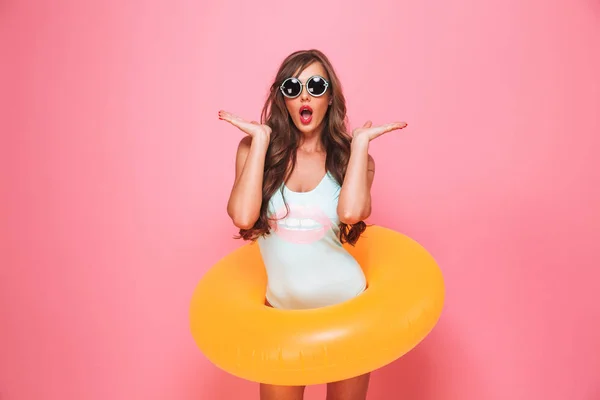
{"type": "Point", "coordinates": [243, 149]}
{"type": "Point", "coordinates": [370, 170]}
{"type": "Point", "coordinates": [245, 143]}
{"type": "Point", "coordinates": [241, 155]}
{"type": "Point", "coordinates": [370, 163]}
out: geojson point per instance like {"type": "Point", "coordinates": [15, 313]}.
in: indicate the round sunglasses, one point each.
{"type": "Point", "coordinates": [315, 85]}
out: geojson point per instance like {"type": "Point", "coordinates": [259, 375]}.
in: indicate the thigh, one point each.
{"type": "Point", "coordinates": [349, 389]}
{"type": "Point", "coordinates": [275, 392]}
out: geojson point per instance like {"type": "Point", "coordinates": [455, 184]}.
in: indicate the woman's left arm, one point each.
{"type": "Point", "coordinates": [354, 203]}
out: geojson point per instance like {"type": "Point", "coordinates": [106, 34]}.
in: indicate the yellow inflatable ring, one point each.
{"type": "Point", "coordinates": [238, 333]}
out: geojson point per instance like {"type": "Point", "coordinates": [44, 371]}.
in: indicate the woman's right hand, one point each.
{"type": "Point", "coordinates": [252, 128]}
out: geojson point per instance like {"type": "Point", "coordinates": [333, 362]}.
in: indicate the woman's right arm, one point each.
{"type": "Point", "coordinates": [245, 199]}
{"type": "Point", "coordinates": [246, 195]}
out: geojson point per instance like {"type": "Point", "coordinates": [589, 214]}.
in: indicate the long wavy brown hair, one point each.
{"type": "Point", "coordinates": [280, 159]}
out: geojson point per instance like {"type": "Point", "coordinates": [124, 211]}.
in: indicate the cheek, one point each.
{"type": "Point", "coordinates": [322, 106]}
{"type": "Point", "coordinates": [289, 105]}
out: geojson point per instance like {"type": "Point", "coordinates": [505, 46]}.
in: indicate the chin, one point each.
{"type": "Point", "coordinates": [310, 128]}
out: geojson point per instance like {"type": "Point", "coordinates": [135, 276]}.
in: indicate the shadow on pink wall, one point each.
{"type": "Point", "coordinates": [421, 374]}
{"type": "Point", "coordinates": [424, 373]}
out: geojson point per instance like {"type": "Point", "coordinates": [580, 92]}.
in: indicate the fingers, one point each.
{"type": "Point", "coordinates": [231, 118]}
{"type": "Point", "coordinates": [224, 115]}
{"type": "Point", "coordinates": [394, 126]}
{"type": "Point", "coordinates": [380, 130]}
{"type": "Point", "coordinates": [228, 115]}
{"type": "Point", "coordinates": [386, 127]}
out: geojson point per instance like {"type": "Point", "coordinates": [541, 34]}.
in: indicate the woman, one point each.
{"type": "Point", "coordinates": [302, 188]}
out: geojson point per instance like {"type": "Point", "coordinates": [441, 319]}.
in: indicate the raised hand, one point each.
{"type": "Point", "coordinates": [371, 132]}
{"type": "Point", "coordinates": [251, 128]}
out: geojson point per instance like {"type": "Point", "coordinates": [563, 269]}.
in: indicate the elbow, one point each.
{"type": "Point", "coordinates": [353, 211]}
{"type": "Point", "coordinates": [242, 221]}
{"type": "Point", "coordinates": [350, 220]}
{"type": "Point", "coordinates": [352, 217]}
{"type": "Point", "coordinates": [243, 224]}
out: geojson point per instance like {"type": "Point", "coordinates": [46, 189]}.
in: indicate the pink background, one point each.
{"type": "Point", "coordinates": [116, 172]}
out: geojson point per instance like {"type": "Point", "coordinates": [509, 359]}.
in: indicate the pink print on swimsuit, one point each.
{"type": "Point", "coordinates": [303, 224]}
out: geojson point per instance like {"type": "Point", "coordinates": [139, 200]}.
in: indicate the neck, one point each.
{"type": "Point", "coordinates": [311, 142]}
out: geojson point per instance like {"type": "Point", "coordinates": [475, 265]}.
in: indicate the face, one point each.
{"type": "Point", "coordinates": [307, 111]}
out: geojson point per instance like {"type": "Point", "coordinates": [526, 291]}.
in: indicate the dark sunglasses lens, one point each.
{"type": "Point", "coordinates": [316, 86]}
{"type": "Point", "coordinates": [292, 87]}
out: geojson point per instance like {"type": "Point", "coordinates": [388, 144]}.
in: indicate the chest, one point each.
{"type": "Point", "coordinates": [314, 207]}
{"type": "Point", "coordinates": [308, 172]}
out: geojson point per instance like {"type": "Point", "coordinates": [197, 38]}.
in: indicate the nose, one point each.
{"type": "Point", "coordinates": [304, 94]}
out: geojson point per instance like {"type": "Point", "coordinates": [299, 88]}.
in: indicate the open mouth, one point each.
{"type": "Point", "coordinates": [306, 114]}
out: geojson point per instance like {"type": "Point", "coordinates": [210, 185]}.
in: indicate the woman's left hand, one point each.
{"type": "Point", "coordinates": [372, 132]}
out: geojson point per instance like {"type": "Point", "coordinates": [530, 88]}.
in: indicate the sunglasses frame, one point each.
{"type": "Point", "coordinates": [302, 85]}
